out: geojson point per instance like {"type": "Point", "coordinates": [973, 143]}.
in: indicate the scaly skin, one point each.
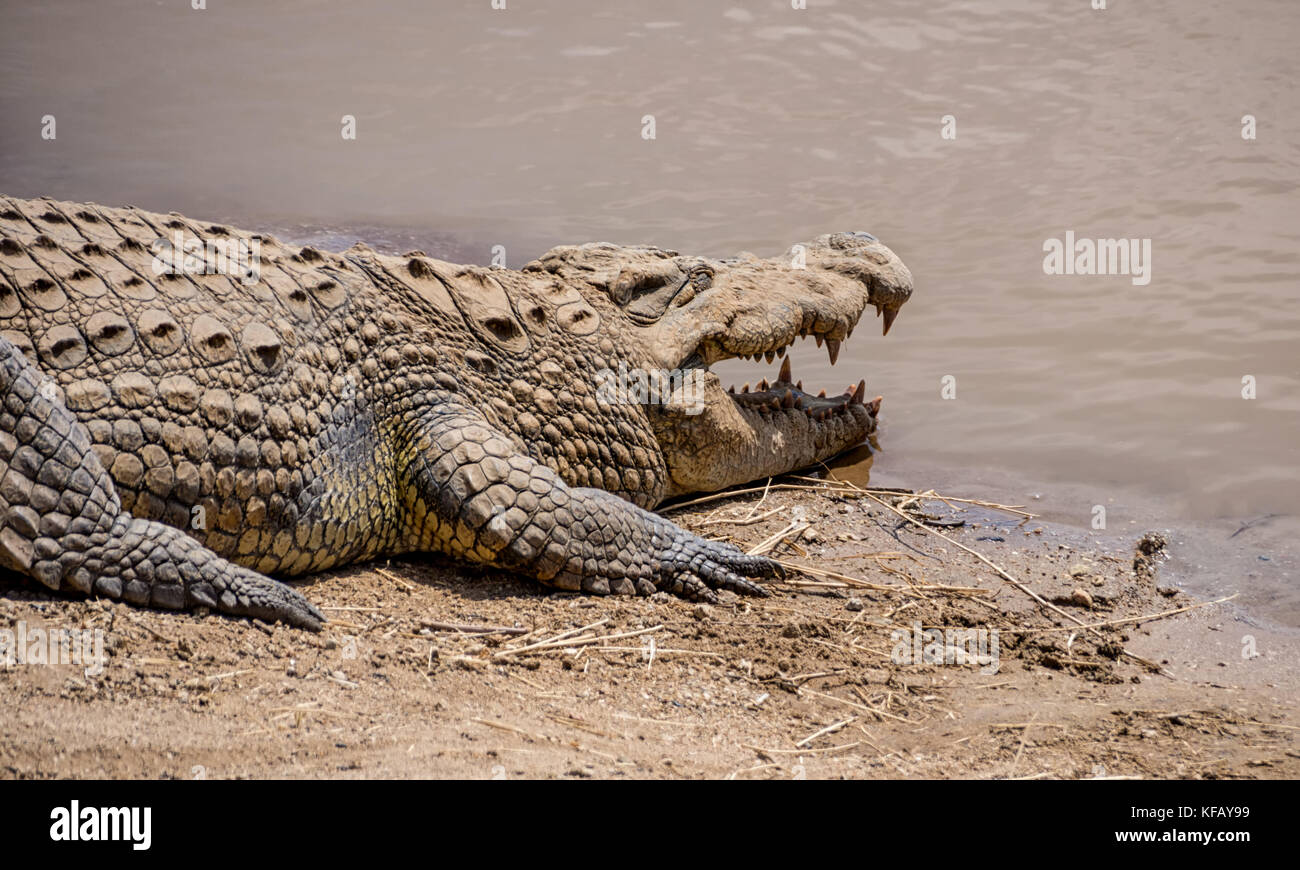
{"type": "Point", "coordinates": [173, 439]}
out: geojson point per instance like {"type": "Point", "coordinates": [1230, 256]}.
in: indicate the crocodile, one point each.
{"type": "Point", "coordinates": [191, 410]}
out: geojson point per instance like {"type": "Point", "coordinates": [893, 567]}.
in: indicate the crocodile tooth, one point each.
{"type": "Point", "coordinates": [799, 386]}
{"type": "Point", "coordinates": [849, 334]}
{"type": "Point", "coordinates": [833, 349]}
{"type": "Point", "coordinates": [889, 320]}
{"type": "Point", "coordinates": [784, 377]}
{"type": "Point", "coordinates": [781, 352]}
{"type": "Point", "coordinates": [763, 385]}
{"type": "Point", "coordinates": [787, 400]}
{"type": "Point", "coordinates": [861, 392]}
{"type": "Point", "coordinates": [745, 389]}
{"type": "Point", "coordinates": [731, 389]}
{"type": "Point", "coordinates": [769, 356]}
{"type": "Point", "coordinates": [879, 309]}
{"type": "Point", "coordinates": [822, 394]}
{"type": "Point", "coordinates": [818, 338]}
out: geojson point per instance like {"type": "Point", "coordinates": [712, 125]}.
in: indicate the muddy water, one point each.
{"type": "Point", "coordinates": [524, 128]}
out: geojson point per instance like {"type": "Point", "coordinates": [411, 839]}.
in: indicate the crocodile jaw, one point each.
{"type": "Point", "coordinates": [713, 438]}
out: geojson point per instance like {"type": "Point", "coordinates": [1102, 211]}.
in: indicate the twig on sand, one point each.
{"type": "Point", "coordinates": [570, 633]}
{"type": "Point", "coordinates": [343, 623]}
{"type": "Point", "coordinates": [659, 651]}
{"type": "Point", "coordinates": [929, 493]}
{"type": "Point", "coordinates": [566, 643]}
{"type": "Point", "coordinates": [301, 710]}
{"type": "Point", "coordinates": [747, 521]}
{"type": "Point", "coordinates": [1145, 618]}
{"type": "Point", "coordinates": [843, 488]}
{"type": "Point", "coordinates": [732, 493]}
{"type": "Point", "coordinates": [767, 487]}
{"type": "Point", "coordinates": [1024, 735]}
{"type": "Point", "coordinates": [855, 705]}
{"type": "Point", "coordinates": [501, 726]}
{"type": "Point", "coordinates": [580, 724]}
{"type": "Point", "coordinates": [881, 587]}
{"type": "Point", "coordinates": [795, 527]}
{"type": "Point", "coordinates": [472, 629]}
{"type": "Point", "coordinates": [140, 624]}
{"type": "Point", "coordinates": [398, 580]}
{"type": "Point", "coordinates": [829, 729]}
{"type": "Point", "coordinates": [761, 750]}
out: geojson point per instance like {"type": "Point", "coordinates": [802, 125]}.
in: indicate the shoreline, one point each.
{"type": "Point", "coordinates": [1210, 555]}
{"type": "Point", "coordinates": [405, 683]}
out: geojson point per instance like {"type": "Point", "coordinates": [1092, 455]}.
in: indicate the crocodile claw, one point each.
{"type": "Point", "coordinates": [694, 568]}
{"type": "Point", "coordinates": [248, 593]}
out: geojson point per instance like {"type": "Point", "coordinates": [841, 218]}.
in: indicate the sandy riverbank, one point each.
{"type": "Point", "coordinates": [802, 684]}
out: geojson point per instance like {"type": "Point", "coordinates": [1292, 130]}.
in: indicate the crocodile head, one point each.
{"type": "Point", "coordinates": [681, 315]}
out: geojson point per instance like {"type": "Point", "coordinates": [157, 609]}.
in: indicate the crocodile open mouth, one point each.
{"type": "Point", "coordinates": [786, 395]}
{"type": "Point", "coordinates": [756, 310]}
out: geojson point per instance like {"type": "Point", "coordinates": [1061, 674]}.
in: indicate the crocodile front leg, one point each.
{"type": "Point", "coordinates": [62, 523]}
{"type": "Point", "coordinates": [472, 495]}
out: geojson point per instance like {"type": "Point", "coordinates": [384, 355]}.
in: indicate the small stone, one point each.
{"type": "Point", "coordinates": [854, 604]}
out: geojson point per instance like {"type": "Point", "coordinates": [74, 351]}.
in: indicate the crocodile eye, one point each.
{"type": "Point", "coordinates": [702, 279]}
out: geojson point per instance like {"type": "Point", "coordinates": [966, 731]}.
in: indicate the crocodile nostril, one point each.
{"type": "Point", "coordinates": [860, 234]}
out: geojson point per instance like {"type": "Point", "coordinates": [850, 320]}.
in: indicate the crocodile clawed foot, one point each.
{"type": "Point", "coordinates": [247, 593]}
{"type": "Point", "coordinates": [697, 567]}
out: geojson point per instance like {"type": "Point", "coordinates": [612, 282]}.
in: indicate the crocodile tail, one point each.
{"type": "Point", "coordinates": [62, 523]}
